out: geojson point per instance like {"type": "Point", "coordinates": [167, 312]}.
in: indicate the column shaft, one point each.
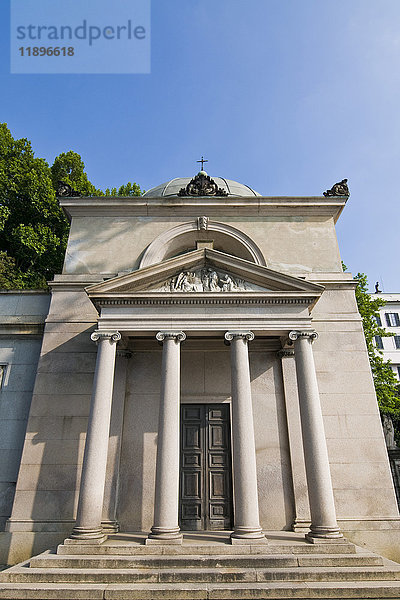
{"type": "Point", "coordinates": [88, 522]}
{"type": "Point", "coordinates": [166, 502]}
{"type": "Point", "coordinates": [322, 507]}
{"type": "Point", "coordinates": [302, 519]}
{"type": "Point", "coordinates": [109, 522]}
{"type": "Point", "coordinates": [247, 524]}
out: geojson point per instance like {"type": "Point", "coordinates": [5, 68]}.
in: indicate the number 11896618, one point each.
{"type": "Point", "coordinates": [47, 51]}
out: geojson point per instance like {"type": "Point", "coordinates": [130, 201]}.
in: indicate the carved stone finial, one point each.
{"type": "Point", "coordinates": [202, 223]}
{"type": "Point", "coordinates": [64, 190]}
{"type": "Point", "coordinates": [339, 189]}
{"type": "Point", "coordinates": [202, 185]}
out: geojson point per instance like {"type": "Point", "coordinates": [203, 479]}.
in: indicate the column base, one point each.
{"type": "Point", "coordinates": [243, 535]}
{"type": "Point", "coordinates": [110, 527]}
{"type": "Point", "coordinates": [301, 525]}
{"type": "Point", "coordinates": [322, 535]}
{"type": "Point", "coordinates": [83, 535]}
{"type": "Point", "coordinates": [160, 535]}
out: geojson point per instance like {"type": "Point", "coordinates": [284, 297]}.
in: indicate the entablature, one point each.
{"type": "Point", "coordinates": [240, 206]}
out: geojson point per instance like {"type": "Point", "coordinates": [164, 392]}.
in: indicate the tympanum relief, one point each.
{"type": "Point", "coordinates": [206, 279]}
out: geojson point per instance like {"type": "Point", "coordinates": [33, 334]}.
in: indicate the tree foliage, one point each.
{"type": "Point", "coordinates": [33, 227]}
{"type": "Point", "coordinates": [386, 384]}
{"type": "Point", "coordinates": [70, 168]}
{"type": "Point", "coordinates": [130, 189]}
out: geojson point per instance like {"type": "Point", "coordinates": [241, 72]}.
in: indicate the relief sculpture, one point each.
{"type": "Point", "coordinates": [204, 280]}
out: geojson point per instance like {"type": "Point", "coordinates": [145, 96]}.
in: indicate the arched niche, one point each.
{"type": "Point", "coordinates": [183, 238]}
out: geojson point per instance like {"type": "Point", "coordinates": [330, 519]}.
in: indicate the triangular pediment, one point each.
{"type": "Point", "coordinates": [203, 271]}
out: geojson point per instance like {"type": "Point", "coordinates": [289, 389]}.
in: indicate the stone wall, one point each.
{"type": "Point", "coordinates": [22, 316]}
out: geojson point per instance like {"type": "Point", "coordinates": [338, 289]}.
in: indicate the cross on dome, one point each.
{"type": "Point", "coordinates": [202, 161]}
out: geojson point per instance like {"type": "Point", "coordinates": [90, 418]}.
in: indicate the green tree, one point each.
{"type": "Point", "coordinates": [386, 384]}
{"type": "Point", "coordinates": [10, 278]}
{"type": "Point", "coordinates": [33, 228]}
{"type": "Point", "coordinates": [130, 189]}
{"type": "Point", "coordinates": [70, 168]}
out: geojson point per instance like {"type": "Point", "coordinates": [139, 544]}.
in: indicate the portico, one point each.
{"type": "Point", "coordinates": [252, 290]}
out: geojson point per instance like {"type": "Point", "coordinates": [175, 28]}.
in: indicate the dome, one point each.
{"type": "Point", "coordinates": [172, 188]}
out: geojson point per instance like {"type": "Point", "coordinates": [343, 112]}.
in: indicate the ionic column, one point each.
{"type": "Point", "coordinates": [247, 522]}
{"type": "Point", "coordinates": [88, 527]}
{"type": "Point", "coordinates": [166, 502]}
{"type": "Point", "coordinates": [322, 507]}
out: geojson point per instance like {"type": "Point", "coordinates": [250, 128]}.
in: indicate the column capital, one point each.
{"type": "Point", "coordinates": [245, 335]}
{"type": "Point", "coordinates": [179, 336]}
{"type": "Point", "coordinates": [113, 336]}
{"type": "Point", "coordinates": [311, 335]}
{"type": "Point", "coordinates": [285, 353]}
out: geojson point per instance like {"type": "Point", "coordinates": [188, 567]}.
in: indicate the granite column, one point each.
{"type": "Point", "coordinates": [166, 502]}
{"type": "Point", "coordinates": [88, 527]}
{"type": "Point", "coordinates": [324, 525]}
{"type": "Point", "coordinates": [247, 523]}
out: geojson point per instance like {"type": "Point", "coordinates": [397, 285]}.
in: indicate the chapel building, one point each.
{"type": "Point", "coordinates": [202, 368]}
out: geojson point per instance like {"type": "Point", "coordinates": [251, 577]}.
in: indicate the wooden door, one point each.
{"type": "Point", "coordinates": [206, 468]}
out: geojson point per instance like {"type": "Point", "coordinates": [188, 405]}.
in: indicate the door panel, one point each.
{"type": "Point", "coordinates": [206, 477]}
{"type": "Point", "coordinates": [192, 452]}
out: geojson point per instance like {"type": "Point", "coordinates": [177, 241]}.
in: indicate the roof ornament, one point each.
{"type": "Point", "coordinates": [64, 190]}
{"type": "Point", "coordinates": [202, 185]}
{"type": "Point", "coordinates": [203, 160]}
{"type": "Point", "coordinates": [339, 189]}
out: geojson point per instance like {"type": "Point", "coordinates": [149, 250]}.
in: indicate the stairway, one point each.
{"type": "Point", "coordinates": [203, 568]}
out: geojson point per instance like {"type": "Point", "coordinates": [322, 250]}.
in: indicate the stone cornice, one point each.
{"type": "Point", "coordinates": [22, 325]}
{"type": "Point", "coordinates": [74, 282]}
{"type": "Point", "coordinates": [11, 329]}
{"type": "Point", "coordinates": [211, 206]}
{"type": "Point", "coordinates": [202, 298]}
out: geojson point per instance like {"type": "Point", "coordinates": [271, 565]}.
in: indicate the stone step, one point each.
{"type": "Point", "coordinates": [47, 560]}
{"type": "Point", "coordinates": [138, 549]}
{"type": "Point", "coordinates": [182, 576]}
{"type": "Point", "coordinates": [372, 590]}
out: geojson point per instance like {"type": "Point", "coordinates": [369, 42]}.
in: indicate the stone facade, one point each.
{"type": "Point", "coordinates": [22, 316]}
{"type": "Point", "coordinates": [291, 384]}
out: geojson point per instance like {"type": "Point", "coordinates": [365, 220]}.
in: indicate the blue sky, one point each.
{"type": "Point", "coordinates": [287, 96]}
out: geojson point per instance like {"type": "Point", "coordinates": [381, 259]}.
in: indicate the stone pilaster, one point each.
{"type": "Point", "coordinates": [166, 502]}
{"type": "Point", "coordinates": [88, 529]}
{"type": "Point", "coordinates": [324, 525]}
{"type": "Point", "coordinates": [247, 522]}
